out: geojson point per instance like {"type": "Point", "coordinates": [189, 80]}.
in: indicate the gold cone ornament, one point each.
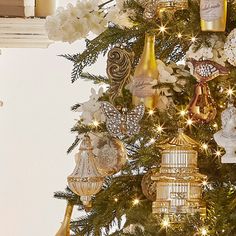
{"type": "Point", "coordinates": [178, 184]}
{"type": "Point", "coordinates": [213, 15]}
{"type": "Point", "coordinates": [146, 76]}
{"type": "Point", "coordinates": [85, 180]}
{"type": "Point", "coordinates": [65, 226]}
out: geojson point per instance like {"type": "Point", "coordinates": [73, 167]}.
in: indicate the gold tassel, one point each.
{"type": "Point", "coordinates": [65, 226]}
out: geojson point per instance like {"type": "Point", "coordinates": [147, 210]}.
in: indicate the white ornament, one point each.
{"type": "Point", "coordinates": [230, 47]}
{"type": "Point", "coordinates": [227, 136]}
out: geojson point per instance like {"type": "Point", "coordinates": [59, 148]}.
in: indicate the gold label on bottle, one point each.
{"type": "Point", "coordinates": [211, 9]}
{"type": "Point", "coordinates": [143, 87]}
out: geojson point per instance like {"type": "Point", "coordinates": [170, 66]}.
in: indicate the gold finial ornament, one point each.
{"type": "Point", "coordinates": [119, 66]}
{"type": "Point", "coordinates": [146, 76]}
{"type": "Point", "coordinates": [178, 183]}
{"type": "Point", "coordinates": [213, 15]}
{"type": "Point", "coordinates": [153, 8]}
{"type": "Point", "coordinates": [65, 226]}
{"type": "Point", "coordinates": [85, 180]}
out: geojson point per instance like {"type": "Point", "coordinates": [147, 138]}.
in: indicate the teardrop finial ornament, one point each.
{"type": "Point", "coordinates": [85, 180]}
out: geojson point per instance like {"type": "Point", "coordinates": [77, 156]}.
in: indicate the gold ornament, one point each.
{"type": "Point", "coordinates": [179, 184]}
{"type": "Point", "coordinates": [125, 123]}
{"type": "Point", "coordinates": [146, 76]}
{"type": "Point", "coordinates": [213, 15]}
{"type": "Point", "coordinates": [85, 180]}
{"type": "Point", "coordinates": [172, 5]}
{"type": "Point", "coordinates": [152, 8]}
{"type": "Point", "coordinates": [65, 226]}
{"type": "Point", "coordinates": [110, 154]}
{"type": "Point", "coordinates": [119, 66]}
{"type": "Point", "coordinates": [202, 106]}
{"type": "Point", "coordinates": [149, 186]}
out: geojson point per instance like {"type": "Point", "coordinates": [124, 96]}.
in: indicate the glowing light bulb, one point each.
{"type": "Point", "coordinates": [150, 112]}
{"type": "Point", "coordinates": [203, 231]}
{"type": "Point", "coordinates": [162, 29]}
{"type": "Point", "coordinates": [116, 199]}
{"type": "Point", "coordinates": [218, 153]}
{"type": "Point", "coordinates": [204, 183]}
{"type": "Point", "coordinates": [165, 223]}
{"type": "Point", "coordinates": [159, 129]}
{"type": "Point", "coordinates": [95, 123]}
{"type": "Point", "coordinates": [152, 140]}
{"type": "Point", "coordinates": [136, 201]}
{"type": "Point", "coordinates": [182, 112]}
{"type": "Point", "coordinates": [230, 92]}
{"type": "Point", "coordinates": [215, 125]}
{"type": "Point", "coordinates": [193, 39]}
{"type": "Point", "coordinates": [189, 122]}
{"type": "Point", "coordinates": [179, 35]}
{"type": "Point", "coordinates": [204, 146]}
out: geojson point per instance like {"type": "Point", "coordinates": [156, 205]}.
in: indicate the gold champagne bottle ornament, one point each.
{"type": "Point", "coordinates": [213, 15]}
{"type": "Point", "coordinates": [65, 226]}
{"type": "Point", "coordinates": [146, 75]}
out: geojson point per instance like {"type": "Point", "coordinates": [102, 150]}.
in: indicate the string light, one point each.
{"type": "Point", "coordinates": [179, 35]}
{"type": "Point", "coordinates": [193, 39]}
{"type": "Point", "coordinates": [116, 199]}
{"type": "Point", "coordinates": [151, 112]}
{"type": "Point", "coordinates": [152, 140]}
{"type": "Point", "coordinates": [215, 125]}
{"type": "Point", "coordinates": [203, 231]}
{"type": "Point", "coordinates": [160, 129]}
{"type": "Point", "coordinates": [189, 122]}
{"type": "Point", "coordinates": [162, 29]}
{"type": "Point", "coordinates": [165, 223]}
{"type": "Point", "coordinates": [95, 123]}
{"type": "Point", "coordinates": [182, 113]}
{"type": "Point", "coordinates": [204, 183]}
{"type": "Point", "coordinates": [204, 146]}
{"type": "Point", "coordinates": [136, 201]}
{"type": "Point", "coordinates": [218, 153]}
{"type": "Point", "coordinates": [230, 92]}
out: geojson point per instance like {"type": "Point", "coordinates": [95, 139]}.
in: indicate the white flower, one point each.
{"type": "Point", "coordinates": [91, 110]}
{"type": "Point", "coordinates": [120, 18]}
{"type": "Point", "coordinates": [214, 52]}
{"type": "Point", "coordinates": [130, 229]}
{"type": "Point", "coordinates": [165, 73]}
{"type": "Point", "coordinates": [204, 52]}
{"type": "Point", "coordinates": [75, 22]}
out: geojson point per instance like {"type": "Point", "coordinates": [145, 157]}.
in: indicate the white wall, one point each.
{"type": "Point", "coordinates": [35, 124]}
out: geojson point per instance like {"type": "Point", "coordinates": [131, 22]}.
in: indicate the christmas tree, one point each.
{"type": "Point", "coordinates": [157, 148]}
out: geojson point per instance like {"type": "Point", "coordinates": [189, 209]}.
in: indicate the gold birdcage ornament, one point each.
{"type": "Point", "coordinates": [179, 183]}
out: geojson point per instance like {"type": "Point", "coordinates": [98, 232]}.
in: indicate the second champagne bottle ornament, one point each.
{"type": "Point", "coordinates": [213, 15]}
{"type": "Point", "coordinates": [146, 76]}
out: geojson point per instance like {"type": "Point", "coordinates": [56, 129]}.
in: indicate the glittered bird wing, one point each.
{"type": "Point", "coordinates": [113, 119]}
{"type": "Point", "coordinates": [133, 118]}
